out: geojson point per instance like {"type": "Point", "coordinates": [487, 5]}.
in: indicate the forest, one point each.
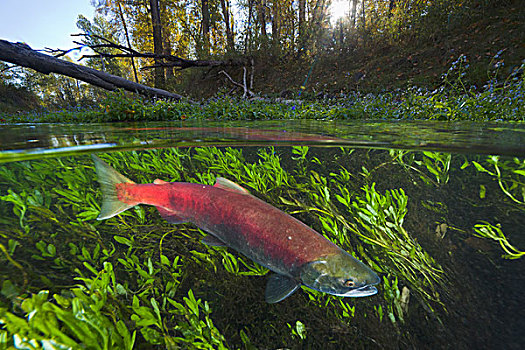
{"type": "Point", "coordinates": [282, 48]}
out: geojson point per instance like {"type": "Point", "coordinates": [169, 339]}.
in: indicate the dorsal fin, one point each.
{"type": "Point", "coordinates": [228, 185]}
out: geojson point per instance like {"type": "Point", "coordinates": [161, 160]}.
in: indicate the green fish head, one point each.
{"type": "Point", "coordinates": [340, 274]}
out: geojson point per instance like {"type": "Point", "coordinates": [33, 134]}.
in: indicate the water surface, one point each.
{"type": "Point", "coordinates": [30, 141]}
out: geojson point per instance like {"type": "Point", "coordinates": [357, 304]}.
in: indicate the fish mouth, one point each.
{"type": "Point", "coordinates": [364, 291]}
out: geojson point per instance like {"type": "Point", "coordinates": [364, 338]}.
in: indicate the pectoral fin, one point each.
{"type": "Point", "coordinates": [280, 287]}
{"type": "Point", "coordinates": [213, 241]}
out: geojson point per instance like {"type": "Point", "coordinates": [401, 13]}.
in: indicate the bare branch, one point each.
{"type": "Point", "coordinates": [23, 55]}
{"type": "Point", "coordinates": [247, 92]}
{"type": "Point", "coordinates": [127, 52]}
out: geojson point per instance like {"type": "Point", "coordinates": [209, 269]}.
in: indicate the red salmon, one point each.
{"type": "Point", "coordinates": [235, 218]}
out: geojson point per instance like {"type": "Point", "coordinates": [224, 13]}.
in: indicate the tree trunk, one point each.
{"type": "Point", "coordinates": [23, 55]}
{"type": "Point", "coordinates": [205, 27]}
{"type": "Point", "coordinates": [168, 71]}
{"type": "Point", "coordinates": [354, 12]}
{"type": "Point", "coordinates": [302, 26]}
{"type": "Point", "coordinates": [225, 5]}
{"type": "Point", "coordinates": [157, 42]}
{"type": "Point", "coordinates": [123, 20]}
{"type": "Point", "coordinates": [316, 20]}
{"type": "Point", "coordinates": [261, 15]}
{"type": "Point", "coordinates": [248, 37]}
{"type": "Point", "coordinates": [276, 30]}
{"type": "Point", "coordinates": [363, 8]}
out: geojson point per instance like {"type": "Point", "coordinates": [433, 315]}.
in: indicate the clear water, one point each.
{"type": "Point", "coordinates": [444, 283]}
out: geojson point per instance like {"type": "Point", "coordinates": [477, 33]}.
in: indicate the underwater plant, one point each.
{"type": "Point", "coordinates": [494, 232]}
{"type": "Point", "coordinates": [161, 284]}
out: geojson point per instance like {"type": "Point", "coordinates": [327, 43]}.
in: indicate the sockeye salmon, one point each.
{"type": "Point", "coordinates": [233, 217]}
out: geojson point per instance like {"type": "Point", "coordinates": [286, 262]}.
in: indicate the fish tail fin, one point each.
{"type": "Point", "coordinates": [108, 178]}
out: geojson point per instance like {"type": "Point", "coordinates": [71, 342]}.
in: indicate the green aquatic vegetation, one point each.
{"type": "Point", "coordinates": [435, 163]}
{"type": "Point", "coordinates": [396, 300]}
{"type": "Point", "coordinates": [510, 175]}
{"type": "Point", "coordinates": [494, 232]}
{"type": "Point", "coordinates": [341, 308]}
{"type": "Point", "coordinates": [300, 153]}
{"type": "Point", "coordinates": [92, 315]}
{"type": "Point", "coordinates": [299, 330]}
{"type": "Point", "coordinates": [382, 217]}
{"type": "Point", "coordinates": [438, 164]}
{"type": "Point", "coordinates": [377, 220]}
{"type": "Point", "coordinates": [152, 276]}
{"type": "Point", "coordinates": [197, 327]}
{"type": "Point", "coordinates": [263, 176]}
{"type": "Point", "coordinates": [19, 206]}
{"type": "Point", "coordinates": [239, 266]}
{"type": "Point", "coordinates": [80, 318]}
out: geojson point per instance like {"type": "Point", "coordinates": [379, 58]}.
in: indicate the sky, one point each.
{"type": "Point", "coordinates": [339, 9]}
{"type": "Point", "coordinates": [42, 23]}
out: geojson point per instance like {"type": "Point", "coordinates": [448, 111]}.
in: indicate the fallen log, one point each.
{"type": "Point", "coordinates": [166, 61]}
{"type": "Point", "coordinates": [23, 55]}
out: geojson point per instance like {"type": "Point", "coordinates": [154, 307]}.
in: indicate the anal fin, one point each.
{"type": "Point", "coordinates": [280, 287]}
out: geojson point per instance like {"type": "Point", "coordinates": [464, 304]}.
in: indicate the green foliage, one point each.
{"type": "Point", "coordinates": [436, 163]}
{"type": "Point", "coordinates": [510, 175]}
{"type": "Point", "coordinates": [493, 103]}
{"type": "Point", "coordinates": [299, 331]}
{"type": "Point", "coordinates": [382, 218]}
{"type": "Point", "coordinates": [101, 28]}
{"type": "Point", "coordinates": [494, 232]}
{"type": "Point", "coordinates": [82, 318]}
{"type": "Point", "coordinates": [396, 301]}
{"type": "Point", "coordinates": [197, 333]}
{"type": "Point", "coordinates": [133, 288]}
{"type": "Point", "coordinates": [377, 220]}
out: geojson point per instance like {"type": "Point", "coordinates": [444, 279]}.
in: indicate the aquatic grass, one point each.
{"type": "Point", "coordinates": [76, 319]}
{"type": "Point", "coordinates": [378, 222]}
{"type": "Point", "coordinates": [155, 264]}
{"type": "Point", "coordinates": [299, 330]}
{"type": "Point", "coordinates": [494, 232]}
{"type": "Point", "coordinates": [510, 175]}
{"type": "Point", "coordinates": [136, 227]}
{"type": "Point", "coordinates": [382, 217]}
{"type": "Point", "coordinates": [436, 163]}
{"type": "Point", "coordinates": [239, 266]}
{"type": "Point", "coordinates": [396, 300]}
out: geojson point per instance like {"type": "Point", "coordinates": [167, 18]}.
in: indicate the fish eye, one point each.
{"type": "Point", "coordinates": [348, 283]}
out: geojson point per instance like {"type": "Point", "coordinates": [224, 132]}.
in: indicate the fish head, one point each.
{"type": "Point", "coordinates": [340, 274]}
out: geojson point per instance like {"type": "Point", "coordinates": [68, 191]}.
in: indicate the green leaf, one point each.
{"type": "Point", "coordinates": [481, 168]}
{"type": "Point", "coordinates": [482, 191]}
{"type": "Point", "coordinates": [123, 240]}
{"type": "Point", "coordinates": [164, 260]}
